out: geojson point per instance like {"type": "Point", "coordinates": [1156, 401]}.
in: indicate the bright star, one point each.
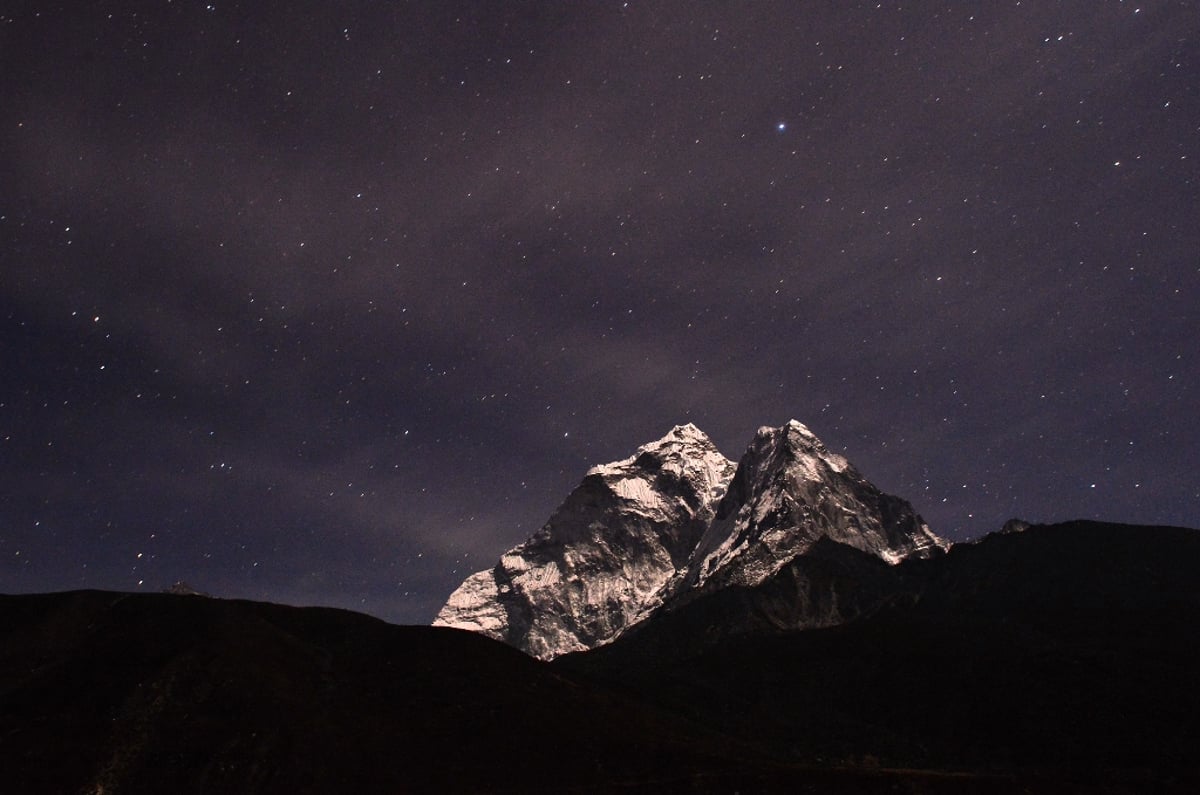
{"type": "Point", "coordinates": [781, 126]}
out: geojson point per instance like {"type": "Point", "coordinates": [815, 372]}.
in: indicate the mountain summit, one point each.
{"type": "Point", "coordinates": [674, 521]}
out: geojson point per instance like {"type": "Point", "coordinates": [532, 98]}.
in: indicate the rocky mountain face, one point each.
{"type": "Point", "coordinates": [605, 554]}
{"type": "Point", "coordinates": [677, 521]}
{"type": "Point", "coordinates": [789, 492]}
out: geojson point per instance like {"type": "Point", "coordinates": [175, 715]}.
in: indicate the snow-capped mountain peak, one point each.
{"type": "Point", "coordinates": [801, 440]}
{"type": "Point", "coordinates": [790, 491]}
{"type": "Point", "coordinates": [671, 522]}
{"type": "Point", "coordinates": [604, 555]}
{"type": "Point", "coordinates": [686, 453]}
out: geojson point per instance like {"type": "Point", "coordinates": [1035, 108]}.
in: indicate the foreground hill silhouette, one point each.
{"type": "Point", "coordinates": [1071, 650]}
{"type": "Point", "coordinates": [1058, 659]}
{"type": "Point", "coordinates": [105, 692]}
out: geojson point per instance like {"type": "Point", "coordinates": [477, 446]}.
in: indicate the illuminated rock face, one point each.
{"type": "Point", "coordinates": [605, 554]}
{"type": "Point", "coordinates": [674, 521]}
{"type": "Point", "coordinates": [789, 492]}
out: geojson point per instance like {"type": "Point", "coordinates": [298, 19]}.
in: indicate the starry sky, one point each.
{"type": "Point", "coordinates": [331, 303]}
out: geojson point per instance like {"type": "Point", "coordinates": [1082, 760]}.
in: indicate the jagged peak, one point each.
{"type": "Point", "coordinates": [687, 435]}
{"type": "Point", "coordinates": [792, 425]}
{"type": "Point", "coordinates": [686, 443]}
{"type": "Point", "coordinates": [796, 426]}
{"type": "Point", "coordinates": [688, 429]}
{"type": "Point", "coordinates": [796, 437]}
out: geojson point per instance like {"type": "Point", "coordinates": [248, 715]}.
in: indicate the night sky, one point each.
{"type": "Point", "coordinates": [331, 303]}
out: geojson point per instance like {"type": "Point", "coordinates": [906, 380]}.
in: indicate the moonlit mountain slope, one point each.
{"type": "Point", "coordinates": [604, 556]}
{"type": "Point", "coordinates": [641, 536]}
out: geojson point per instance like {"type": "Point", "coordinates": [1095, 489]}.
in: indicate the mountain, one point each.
{"type": "Point", "coordinates": [642, 537]}
{"type": "Point", "coordinates": [790, 492]}
{"type": "Point", "coordinates": [606, 553]}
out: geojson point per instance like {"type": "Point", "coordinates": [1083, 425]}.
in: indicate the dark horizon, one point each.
{"type": "Point", "coordinates": [333, 304]}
